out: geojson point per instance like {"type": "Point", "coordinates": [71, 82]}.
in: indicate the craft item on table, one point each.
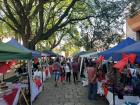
{"type": "Point", "coordinates": [4, 67]}
{"type": "Point", "coordinates": [38, 83]}
{"type": "Point", "coordinates": [25, 81]}
{"type": "Point", "coordinates": [10, 97]}
{"type": "Point", "coordinates": [3, 86]}
{"type": "Point", "coordinates": [105, 91]}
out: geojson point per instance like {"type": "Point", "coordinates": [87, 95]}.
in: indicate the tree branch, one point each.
{"type": "Point", "coordinates": [41, 18]}
{"type": "Point", "coordinates": [10, 14]}
{"type": "Point", "coordinates": [29, 6]}
{"type": "Point", "coordinates": [11, 26]}
{"type": "Point", "coordinates": [74, 20]}
{"type": "Point", "coordinates": [66, 12]}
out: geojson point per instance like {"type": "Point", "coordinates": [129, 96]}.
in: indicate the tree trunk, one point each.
{"type": "Point", "coordinates": [25, 41]}
{"type": "Point", "coordinates": [32, 46]}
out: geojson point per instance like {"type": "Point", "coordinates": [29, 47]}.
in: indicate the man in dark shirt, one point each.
{"type": "Point", "coordinates": [75, 69]}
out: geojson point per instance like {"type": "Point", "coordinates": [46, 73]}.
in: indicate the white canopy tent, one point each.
{"type": "Point", "coordinates": [87, 55]}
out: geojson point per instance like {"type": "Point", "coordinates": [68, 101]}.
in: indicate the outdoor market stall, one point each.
{"type": "Point", "coordinates": [8, 52]}
{"type": "Point", "coordinates": [111, 52]}
{"type": "Point", "coordinates": [89, 54]}
{"type": "Point", "coordinates": [14, 43]}
{"type": "Point", "coordinates": [37, 82]}
{"type": "Point", "coordinates": [127, 93]}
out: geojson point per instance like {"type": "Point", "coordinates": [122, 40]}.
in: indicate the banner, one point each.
{"type": "Point", "coordinates": [5, 66]}
{"type": "Point", "coordinates": [121, 64]}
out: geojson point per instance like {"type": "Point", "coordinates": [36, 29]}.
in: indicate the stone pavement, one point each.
{"type": "Point", "coordinates": [68, 94]}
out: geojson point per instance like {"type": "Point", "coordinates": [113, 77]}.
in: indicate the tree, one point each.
{"type": "Point", "coordinates": [70, 47]}
{"type": "Point", "coordinates": [106, 27]}
{"type": "Point", "coordinates": [51, 43]}
{"type": "Point", "coordinates": [134, 7]}
{"type": "Point", "coordinates": [5, 31]}
{"type": "Point", "coordinates": [36, 20]}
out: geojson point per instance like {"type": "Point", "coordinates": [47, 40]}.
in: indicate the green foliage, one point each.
{"type": "Point", "coordinates": [36, 20]}
{"type": "Point", "coordinates": [134, 7]}
{"type": "Point", "coordinates": [106, 27]}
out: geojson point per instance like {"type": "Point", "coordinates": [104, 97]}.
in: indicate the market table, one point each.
{"type": "Point", "coordinates": [10, 98]}
{"type": "Point", "coordinates": [132, 99]}
{"type": "Point", "coordinates": [36, 87]}
{"type": "Point", "coordinates": [109, 96]}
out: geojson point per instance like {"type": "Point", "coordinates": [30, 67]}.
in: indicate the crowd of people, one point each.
{"type": "Point", "coordinates": [63, 69]}
{"type": "Point", "coordinates": [66, 70]}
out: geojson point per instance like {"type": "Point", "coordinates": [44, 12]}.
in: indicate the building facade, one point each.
{"type": "Point", "coordinates": [133, 27]}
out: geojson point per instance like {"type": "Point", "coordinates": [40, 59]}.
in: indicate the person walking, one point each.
{"type": "Point", "coordinates": [62, 74]}
{"type": "Point", "coordinates": [68, 71]}
{"type": "Point", "coordinates": [75, 70]}
{"type": "Point", "coordinates": [56, 71]}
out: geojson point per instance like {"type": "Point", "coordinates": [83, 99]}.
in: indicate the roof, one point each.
{"type": "Point", "coordinates": [133, 48]}
{"type": "Point", "coordinates": [14, 43]}
{"type": "Point", "coordinates": [110, 52]}
{"type": "Point", "coordinates": [9, 52]}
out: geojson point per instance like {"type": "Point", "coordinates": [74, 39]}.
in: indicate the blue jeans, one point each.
{"type": "Point", "coordinates": [92, 91]}
{"type": "Point", "coordinates": [56, 75]}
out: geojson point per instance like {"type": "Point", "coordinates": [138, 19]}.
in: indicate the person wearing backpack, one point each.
{"type": "Point", "coordinates": [56, 71]}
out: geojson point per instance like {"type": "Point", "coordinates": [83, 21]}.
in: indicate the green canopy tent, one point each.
{"type": "Point", "coordinates": [9, 52]}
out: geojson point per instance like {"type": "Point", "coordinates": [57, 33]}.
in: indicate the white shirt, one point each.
{"type": "Point", "coordinates": [67, 69]}
{"type": "Point", "coordinates": [38, 74]}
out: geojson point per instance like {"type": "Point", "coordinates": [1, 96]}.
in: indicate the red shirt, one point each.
{"type": "Point", "coordinates": [91, 73]}
{"type": "Point", "coordinates": [75, 67]}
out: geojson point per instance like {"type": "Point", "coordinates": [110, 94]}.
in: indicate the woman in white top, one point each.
{"type": "Point", "coordinates": [68, 71]}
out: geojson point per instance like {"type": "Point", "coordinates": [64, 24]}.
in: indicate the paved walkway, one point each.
{"type": "Point", "coordinates": [68, 94]}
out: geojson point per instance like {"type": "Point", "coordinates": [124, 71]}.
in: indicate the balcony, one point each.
{"type": "Point", "coordinates": [134, 22]}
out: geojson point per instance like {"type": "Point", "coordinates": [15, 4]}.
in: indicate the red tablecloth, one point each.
{"type": "Point", "coordinates": [10, 97]}
{"type": "Point", "coordinates": [105, 91]}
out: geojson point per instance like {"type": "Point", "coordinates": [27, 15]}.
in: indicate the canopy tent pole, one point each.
{"type": "Point", "coordinates": [42, 70]}
{"type": "Point", "coordinates": [81, 64]}
{"type": "Point", "coordinates": [30, 80]}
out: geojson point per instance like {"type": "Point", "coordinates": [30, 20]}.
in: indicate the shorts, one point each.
{"type": "Point", "coordinates": [56, 75]}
